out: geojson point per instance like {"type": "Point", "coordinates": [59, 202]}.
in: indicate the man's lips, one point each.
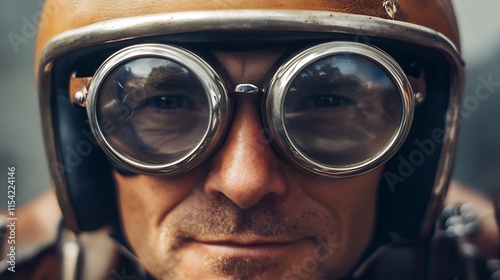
{"type": "Point", "coordinates": [256, 247]}
{"type": "Point", "coordinates": [247, 241]}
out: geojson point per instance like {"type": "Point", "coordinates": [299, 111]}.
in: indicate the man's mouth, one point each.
{"type": "Point", "coordinates": [248, 247]}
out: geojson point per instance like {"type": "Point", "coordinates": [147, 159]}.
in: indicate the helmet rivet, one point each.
{"type": "Point", "coordinates": [419, 97]}
{"type": "Point", "coordinates": [79, 98]}
{"type": "Point", "coordinates": [391, 8]}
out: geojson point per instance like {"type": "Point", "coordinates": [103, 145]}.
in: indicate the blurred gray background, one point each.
{"type": "Point", "coordinates": [478, 159]}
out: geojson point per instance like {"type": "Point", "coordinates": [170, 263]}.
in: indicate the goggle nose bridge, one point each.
{"type": "Point", "coordinates": [247, 89]}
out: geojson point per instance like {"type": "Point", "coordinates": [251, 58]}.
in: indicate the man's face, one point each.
{"type": "Point", "coordinates": [247, 213]}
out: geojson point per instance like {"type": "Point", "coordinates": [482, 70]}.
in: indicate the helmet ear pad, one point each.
{"type": "Point", "coordinates": [408, 181]}
{"type": "Point", "coordinates": [83, 166]}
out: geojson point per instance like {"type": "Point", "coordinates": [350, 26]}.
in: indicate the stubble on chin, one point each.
{"type": "Point", "coordinates": [240, 268]}
{"type": "Point", "coordinates": [221, 217]}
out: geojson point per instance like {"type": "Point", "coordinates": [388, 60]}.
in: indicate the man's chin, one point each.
{"type": "Point", "coordinates": [233, 268]}
{"type": "Point", "coordinates": [200, 260]}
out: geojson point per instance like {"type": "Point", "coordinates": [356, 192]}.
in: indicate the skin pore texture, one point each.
{"type": "Point", "coordinates": [247, 213]}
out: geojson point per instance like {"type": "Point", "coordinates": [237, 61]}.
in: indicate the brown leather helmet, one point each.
{"type": "Point", "coordinates": [75, 37]}
{"type": "Point", "coordinates": [60, 16]}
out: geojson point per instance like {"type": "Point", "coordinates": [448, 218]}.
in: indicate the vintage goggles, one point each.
{"type": "Point", "coordinates": [335, 109]}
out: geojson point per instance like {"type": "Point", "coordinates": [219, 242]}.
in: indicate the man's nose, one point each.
{"type": "Point", "coordinates": [246, 168]}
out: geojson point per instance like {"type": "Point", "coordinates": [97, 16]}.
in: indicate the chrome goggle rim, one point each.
{"type": "Point", "coordinates": [281, 81]}
{"type": "Point", "coordinates": [212, 83]}
{"type": "Point", "coordinates": [274, 107]}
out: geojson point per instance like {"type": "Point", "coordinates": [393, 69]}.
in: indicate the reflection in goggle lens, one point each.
{"type": "Point", "coordinates": [157, 108]}
{"type": "Point", "coordinates": [342, 110]}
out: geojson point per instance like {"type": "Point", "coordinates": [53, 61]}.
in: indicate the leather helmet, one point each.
{"type": "Point", "coordinates": [76, 36]}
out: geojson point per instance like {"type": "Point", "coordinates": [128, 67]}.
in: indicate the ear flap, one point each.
{"type": "Point", "coordinates": [410, 176]}
{"type": "Point", "coordinates": [86, 171]}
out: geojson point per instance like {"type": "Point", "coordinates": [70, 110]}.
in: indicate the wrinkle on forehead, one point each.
{"type": "Point", "coordinates": [248, 66]}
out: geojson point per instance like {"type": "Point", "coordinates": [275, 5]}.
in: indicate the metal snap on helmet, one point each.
{"type": "Point", "coordinates": [417, 38]}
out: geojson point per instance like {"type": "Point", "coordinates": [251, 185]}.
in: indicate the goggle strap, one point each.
{"type": "Point", "coordinates": [78, 90]}
{"type": "Point", "coordinates": [419, 87]}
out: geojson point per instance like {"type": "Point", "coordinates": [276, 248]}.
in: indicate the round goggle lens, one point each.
{"type": "Point", "coordinates": [342, 110]}
{"type": "Point", "coordinates": [153, 110]}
